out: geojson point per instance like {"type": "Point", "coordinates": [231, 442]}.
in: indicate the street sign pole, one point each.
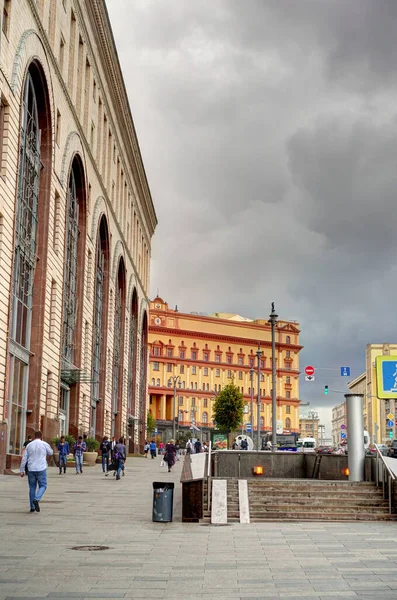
{"type": "Point", "coordinates": [273, 320]}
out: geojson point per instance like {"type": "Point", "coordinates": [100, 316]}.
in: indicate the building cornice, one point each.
{"type": "Point", "coordinates": [156, 330]}
{"type": "Point", "coordinates": [118, 93]}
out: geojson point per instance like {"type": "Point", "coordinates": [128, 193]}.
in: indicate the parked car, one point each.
{"type": "Point", "coordinates": [324, 450]}
{"type": "Point", "coordinates": [393, 449]}
{"type": "Point", "coordinates": [383, 449]}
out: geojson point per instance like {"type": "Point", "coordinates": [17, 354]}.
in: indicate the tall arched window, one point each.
{"type": "Point", "coordinates": [262, 422]}
{"type": "Point", "coordinates": [73, 286]}
{"type": "Point", "coordinates": [205, 417]}
{"type": "Point", "coordinates": [28, 288]}
{"type": "Point", "coordinates": [99, 329]}
{"type": "Point", "coordinates": [132, 353]}
{"type": "Point", "coordinates": [118, 350]}
{"type": "Point", "coordinates": [288, 339]}
{"type": "Point", "coordinates": [287, 423]}
{"type": "Point", "coordinates": [24, 263]}
{"type": "Point", "coordinates": [153, 382]}
{"type": "Point", "coordinates": [141, 407]}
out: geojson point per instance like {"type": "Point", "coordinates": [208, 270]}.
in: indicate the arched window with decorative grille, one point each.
{"type": "Point", "coordinates": [287, 423]}
{"type": "Point", "coordinates": [132, 353]}
{"type": "Point", "coordinates": [205, 417]}
{"type": "Point", "coordinates": [99, 328]}
{"type": "Point", "coordinates": [28, 290]}
{"type": "Point", "coordinates": [118, 349]}
{"type": "Point", "coordinates": [262, 422]}
{"type": "Point", "coordinates": [73, 287]}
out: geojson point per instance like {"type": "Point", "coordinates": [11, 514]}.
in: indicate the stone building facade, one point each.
{"type": "Point", "coordinates": [76, 222]}
{"type": "Point", "coordinates": [201, 354]}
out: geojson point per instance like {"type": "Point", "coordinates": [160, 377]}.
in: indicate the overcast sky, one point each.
{"type": "Point", "coordinates": [268, 129]}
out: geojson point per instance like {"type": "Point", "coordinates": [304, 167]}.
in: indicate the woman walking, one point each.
{"type": "Point", "coordinates": [170, 455]}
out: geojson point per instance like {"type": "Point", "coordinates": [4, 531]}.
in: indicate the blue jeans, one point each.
{"type": "Point", "coordinates": [120, 467]}
{"type": "Point", "coordinates": [62, 461]}
{"type": "Point", "coordinates": [79, 463]}
{"type": "Point", "coordinates": [37, 478]}
{"type": "Point", "coordinates": [105, 459]}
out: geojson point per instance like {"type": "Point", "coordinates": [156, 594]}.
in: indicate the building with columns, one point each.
{"type": "Point", "coordinates": [203, 353]}
{"type": "Point", "coordinates": [76, 222]}
{"type": "Point", "coordinates": [339, 421]}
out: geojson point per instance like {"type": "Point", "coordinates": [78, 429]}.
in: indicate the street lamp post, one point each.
{"type": "Point", "coordinates": [314, 416]}
{"type": "Point", "coordinates": [175, 379]}
{"type": "Point", "coordinates": [273, 320]}
{"type": "Point", "coordinates": [252, 371]}
{"type": "Point", "coordinates": [259, 354]}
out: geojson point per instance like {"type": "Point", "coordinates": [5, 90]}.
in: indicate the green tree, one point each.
{"type": "Point", "coordinates": [151, 423]}
{"type": "Point", "coordinates": [229, 408]}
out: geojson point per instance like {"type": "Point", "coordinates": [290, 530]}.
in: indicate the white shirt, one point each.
{"type": "Point", "coordinates": [35, 456]}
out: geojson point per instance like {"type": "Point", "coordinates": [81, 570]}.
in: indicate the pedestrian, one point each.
{"type": "Point", "coordinates": [161, 447]}
{"type": "Point", "coordinates": [63, 449]}
{"type": "Point", "coordinates": [170, 455]}
{"type": "Point", "coordinates": [120, 455]}
{"type": "Point", "coordinates": [146, 448]}
{"type": "Point", "coordinates": [235, 445]}
{"type": "Point", "coordinates": [112, 445]}
{"type": "Point", "coordinates": [35, 457]}
{"type": "Point", "coordinates": [189, 447]}
{"type": "Point", "coordinates": [178, 449]}
{"type": "Point", "coordinates": [205, 447]}
{"type": "Point", "coordinates": [78, 450]}
{"type": "Point", "coordinates": [105, 450]}
{"type": "Point", "coordinates": [244, 444]}
{"type": "Point", "coordinates": [197, 446]}
{"type": "Point", "coordinates": [152, 446]}
{"type": "Point", "coordinates": [29, 439]}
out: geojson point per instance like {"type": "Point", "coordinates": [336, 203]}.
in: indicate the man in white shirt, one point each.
{"type": "Point", "coordinates": [35, 457]}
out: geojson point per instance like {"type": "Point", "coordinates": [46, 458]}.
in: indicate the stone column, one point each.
{"type": "Point", "coordinates": [355, 440]}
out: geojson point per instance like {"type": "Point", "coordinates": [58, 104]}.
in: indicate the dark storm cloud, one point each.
{"type": "Point", "coordinates": [269, 134]}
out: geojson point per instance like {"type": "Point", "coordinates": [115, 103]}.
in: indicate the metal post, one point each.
{"type": "Point", "coordinates": [355, 427]}
{"type": "Point", "coordinates": [173, 412]}
{"type": "Point", "coordinates": [273, 320]}
{"type": "Point", "coordinates": [252, 401]}
{"type": "Point", "coordinates": [258, 416]}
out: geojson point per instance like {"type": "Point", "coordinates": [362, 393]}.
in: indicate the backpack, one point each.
{"type": "Point", "coordinates": [118, 453]}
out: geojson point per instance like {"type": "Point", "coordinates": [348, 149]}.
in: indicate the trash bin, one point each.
{"type": "Point", "coordinates": [163, 498]}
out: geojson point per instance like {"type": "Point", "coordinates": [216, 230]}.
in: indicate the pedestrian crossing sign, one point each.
{"type": "Point", "coordinates": [386, 376]}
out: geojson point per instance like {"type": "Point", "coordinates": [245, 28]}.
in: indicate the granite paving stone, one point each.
{"type": "Point", "coordinates": [177, 561]}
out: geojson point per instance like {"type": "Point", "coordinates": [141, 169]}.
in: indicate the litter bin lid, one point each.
{"type": "Point", "coordinates": [163, 484]}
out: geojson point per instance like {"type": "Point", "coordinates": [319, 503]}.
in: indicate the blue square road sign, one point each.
{"type": "Point", "coordinates": [345, 371]}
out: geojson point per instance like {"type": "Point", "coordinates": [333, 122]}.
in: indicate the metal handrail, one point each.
{"type": "Point", "coordinates": [391, 478]}
{"type": "Point", "coordinates": [379, 454]}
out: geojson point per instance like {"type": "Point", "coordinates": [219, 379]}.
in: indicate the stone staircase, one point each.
{"type": "Point", "coordinates": [308, 500]}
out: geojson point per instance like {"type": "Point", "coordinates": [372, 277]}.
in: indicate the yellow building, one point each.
{"type": "Point", "coordinates": [375, 410]}
{"type": "Point", "coordinates": [203, 353]}
{"type": "Point", "coordinates": [308, 427]}
{"type": "Point", "coordinates": [339, 418]}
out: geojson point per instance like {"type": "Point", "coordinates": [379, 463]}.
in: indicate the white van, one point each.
{"type": "Point", "coordinates": [308, 445]}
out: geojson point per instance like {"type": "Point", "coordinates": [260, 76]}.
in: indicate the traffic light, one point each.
{"type": "Point", "coordinates": [391, 434]}
{"type": "Point", "coordinates": [326, 390]}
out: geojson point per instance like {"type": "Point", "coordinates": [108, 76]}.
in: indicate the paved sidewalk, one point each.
{"type": "Point", "coordinates": [176, 561]}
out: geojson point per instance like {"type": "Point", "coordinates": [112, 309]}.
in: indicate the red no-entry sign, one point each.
{"type": "Point", "coordinates": [309, 370]}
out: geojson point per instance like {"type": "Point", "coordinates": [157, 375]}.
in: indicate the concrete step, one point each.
{"type": "Point", "coordinates": [313, 493]}
{"type": "Point", "coordinates": [317, 501]}
{"type": "Point", "coordinates": [309, 483]}
{"type": "Point", "coordinates": [319, 511]}
{"type": "Point", "coordinates": [335, 516]}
